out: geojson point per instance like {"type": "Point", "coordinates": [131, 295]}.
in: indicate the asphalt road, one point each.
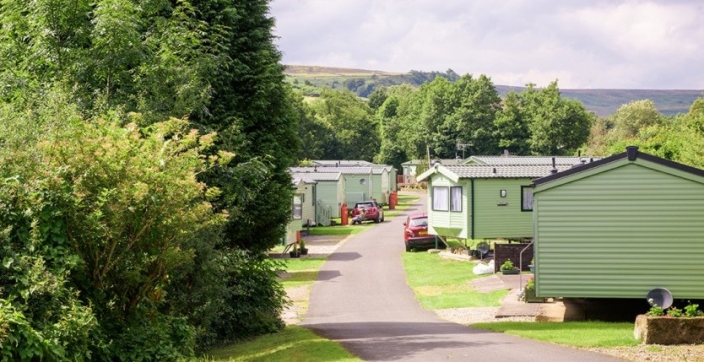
{"type": "Point", "coordinates": [361, 300]}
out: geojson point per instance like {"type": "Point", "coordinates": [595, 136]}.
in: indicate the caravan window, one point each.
{"type": "Point", "coordinates": [456, 198]}
{"type": "Point", "coordinates": [441, 198]}
{"type": "Point", "coordinates": [297, 207]}
{"type": "Point", "coordinates": [526, 198]}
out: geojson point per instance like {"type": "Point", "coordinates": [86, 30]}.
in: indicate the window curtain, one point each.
{"type": "Point", "coordinates": [440, 198]}
{"type": "Point", "coordinates": [297, 208]}
{"type": "Point", "coordinates": [456, 198]}
{"type": "Point", "coordinates": [527, 198]}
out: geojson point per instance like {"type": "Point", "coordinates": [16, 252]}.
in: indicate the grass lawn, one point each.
{"type": "Point", "coordinates": [290, 345]}
{"type": "Point", "coordinates": [404, 202]}
{"type": "Point", "coordinates": [301, 271]}
{"type": "Point", "coordinates": [340, 229]}
{"type": "Point", "coordinates": [441, 283]}
{"type": "Point", "coordinates": [575, 334]}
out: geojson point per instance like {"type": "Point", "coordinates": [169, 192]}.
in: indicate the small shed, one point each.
{"type": "Point", "coordinates": [620, 227]}
{"type": "Point", "coordinates": [482, 201]}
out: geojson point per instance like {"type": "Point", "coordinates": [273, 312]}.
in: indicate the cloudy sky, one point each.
{"type": "Point", "coordinates": [581, 43]}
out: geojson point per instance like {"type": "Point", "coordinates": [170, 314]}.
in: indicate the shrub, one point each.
{"type": "Point", "coordinates": [95, 218]}
{"type": "Point", "coordinates": [674, 312]}
{"type": "Point", "coordinates": [692, 310]}
{"type": "Point", "coordinates": [655, 311]}
{"type": "Point", "coordinates": [507, 265]}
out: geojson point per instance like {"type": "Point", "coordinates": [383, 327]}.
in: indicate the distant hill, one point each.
{"type": "Point", "coordinates": [603, 102]}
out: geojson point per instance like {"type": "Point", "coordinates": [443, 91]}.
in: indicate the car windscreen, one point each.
{"type": "Point", "coordinates": [365, 205]}
{"type": "Point", "coordinates": [423, 221]}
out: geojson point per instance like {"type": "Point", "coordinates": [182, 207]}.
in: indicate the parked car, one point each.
{"type": "Point", "coordinates": [367, 210]}
{"type": "Point", "coordinates": [415, 232]}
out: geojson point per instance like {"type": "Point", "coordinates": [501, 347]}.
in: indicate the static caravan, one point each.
{"type": "Point", "coordinates": [619, 228]}
{"type": "Point", "coordinates": [482, 201]}
{"type": "Point", "coordinates": [410, 168]}
{"type": "Point", "coordinates": [393, 181]}
{"type": "Point", "coordinates": [341, 163]}
{"type": "Point", "coordinates": [361, 182]}
{"type": "Point", "coordinates": [294, 225]}
{"type": "Point", "coordinates": [512, 160]}
{"type": "Point", "coordinates": [307, 201]}
{"type": "Point", "coordinates": [329, 192]}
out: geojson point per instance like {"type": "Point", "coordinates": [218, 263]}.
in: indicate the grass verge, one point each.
{"type": "Point", "coordinates": [441, 283]}
{"type": "Point", "coordinates": [575, 334]}
{"type": "Point", "coordinates": [301, 271]}
{"type": "Point", "coordinates": [404, 202]}
{"type": "Point", "coordinates": [292, 344]}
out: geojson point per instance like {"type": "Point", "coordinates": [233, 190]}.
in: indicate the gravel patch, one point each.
{"type": "Point", "coordinates": [476, 315]}
{"type": "Point", "coordinates": [656, 353]}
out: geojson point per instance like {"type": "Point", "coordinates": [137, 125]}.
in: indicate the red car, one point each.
{"type": "Point", "coordinates": [367, 211]}
{"type": "Point", "coordinates": [415, 233]}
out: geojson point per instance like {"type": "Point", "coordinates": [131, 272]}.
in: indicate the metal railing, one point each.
{"type": "Point", "coordinates": [323, 214]}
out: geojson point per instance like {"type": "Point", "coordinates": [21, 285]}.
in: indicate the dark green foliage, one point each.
{"type": "Point", "coordinates": [251, 112]}
{"type": "Point", "coordinates": [355, 129]}
{"type": "Point", "coordinates": [254, 299]}
{"type": "Point", "coordinates": [111, 248]}
{"type": "Point", "coordinates": [114, 56]}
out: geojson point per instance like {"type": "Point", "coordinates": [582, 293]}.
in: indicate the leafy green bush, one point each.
{"type": "Point", "coordinates": [255, 298]}
{"type": "Point", "coordinates": [95, 217]}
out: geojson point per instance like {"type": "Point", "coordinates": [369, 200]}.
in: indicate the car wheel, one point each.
{"type": "Point", "coordinates": [378, 219]}
{"type": "Point", "coordinates": [408, 249]}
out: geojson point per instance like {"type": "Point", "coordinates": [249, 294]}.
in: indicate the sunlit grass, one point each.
{"type": "Point", "coordinates": [293, 344]}
{"type": "Point", "coordinates": [340, 229]}
{"type": "Point", "coordinates": [575, 334]}
{"type": "Point", "coordinates": [301, 271]}
{"type": "Point", "coordinates": [444, 283]}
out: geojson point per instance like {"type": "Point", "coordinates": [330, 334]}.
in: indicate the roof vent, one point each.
{"type": "Point", "coordinates": [506, 153]}
{"type": "Point", "coordinates": [632, 152]}
{"type": "Point", "coordinates": [554, 169]}
{"type": "Point", "coordinates": [493, 170]}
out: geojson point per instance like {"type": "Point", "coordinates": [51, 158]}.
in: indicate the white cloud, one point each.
{"type": "Point", "coordinates": [583, 44]}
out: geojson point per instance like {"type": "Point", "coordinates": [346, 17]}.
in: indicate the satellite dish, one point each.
{"type": "Point", "coordinates": [482, 248]}
{"type": "Point", "coordinates": [660, 297]}
{"type": "Point", "coordinates": [362, 181]}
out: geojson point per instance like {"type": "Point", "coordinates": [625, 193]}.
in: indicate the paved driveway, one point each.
{"type": "Point", "coordinates": [361, 300]}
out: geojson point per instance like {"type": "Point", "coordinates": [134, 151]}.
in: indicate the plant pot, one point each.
{"type": "Point", "coordinates": [669, 330]}
{"type": "Point", "coordinates": [294, 254]}
{"type": "Point", "coordinates": [532, 268]}
{"type": "Point", "coordinates": [510, 271]}
{"type": "Point", "coordinates": [304, 251]}
{"type": "Point", "coordinates": [529, 296]}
